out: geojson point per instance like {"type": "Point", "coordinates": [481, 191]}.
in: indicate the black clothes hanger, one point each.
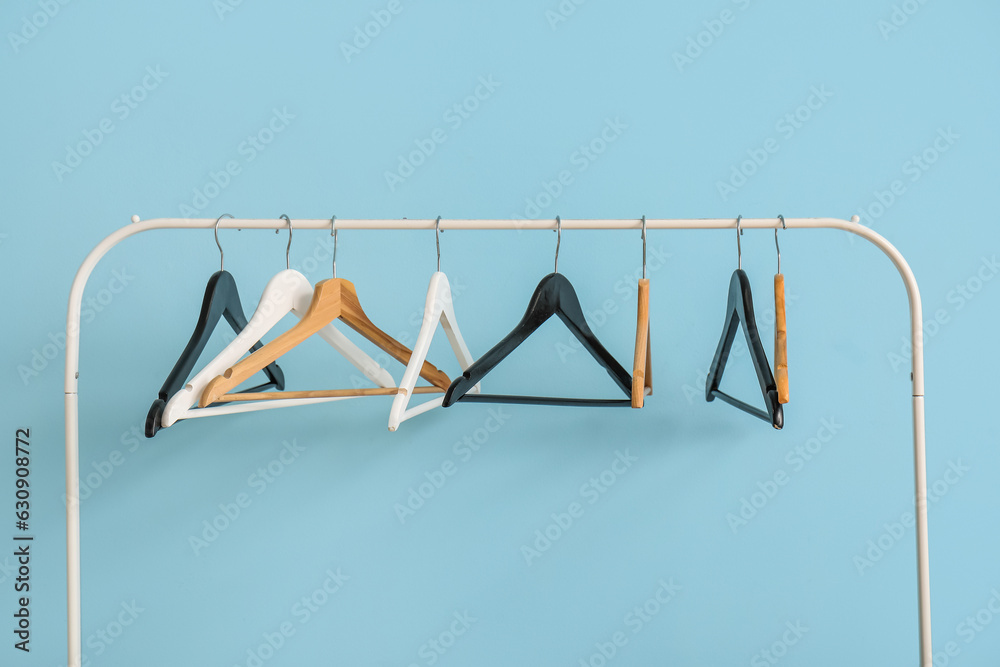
{"type": "Point", "coordinates": [222, 299]}
{"type": "Point", "coordinates": [553, 296]}
{"type": "Point", "coordinates": [739, 310]}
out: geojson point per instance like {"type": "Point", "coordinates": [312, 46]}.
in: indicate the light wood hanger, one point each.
{"type": "Point", "coordinates": [642, 368]}
{"type": "Point", "coordinates": [780, 334]}
{"type": "Point", "coordinates": [332, 299]}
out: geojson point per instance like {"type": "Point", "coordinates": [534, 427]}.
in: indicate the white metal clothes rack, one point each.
{"type": "Point", "coordinates": [73, 358]}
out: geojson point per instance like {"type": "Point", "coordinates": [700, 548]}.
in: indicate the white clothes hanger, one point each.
{"type": "Point", "coordinates": [438, 309]}
{"type": "Point", "coordinates": [287, 292]}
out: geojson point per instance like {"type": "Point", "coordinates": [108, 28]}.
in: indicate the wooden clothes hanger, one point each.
{"type": "Point", "coordinates": [222, 300]}
{"type": "Point", "coordinates": [332, 299]}
{"type": "Point", "coordinates": [287, 292]}
{"type": "Point", "coordinates": [739, 311]}
{"type": "Point", "coordinates": [780, 334]}
{"type": "Point", "coordinates": [642, 366]}
{"type": "Point", "coordinates": [438, 309]}
{"type": "Point", "coordinates": [554, 295]}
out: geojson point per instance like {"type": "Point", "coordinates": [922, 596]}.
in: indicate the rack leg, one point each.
{"type": "Point", "coordinates": [74, 634]}
{"type": "Point", "coordinates": [923, 551]}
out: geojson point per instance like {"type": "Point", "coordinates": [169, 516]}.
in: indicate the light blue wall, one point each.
{"type": "Point", "coordinates": [888, 83]}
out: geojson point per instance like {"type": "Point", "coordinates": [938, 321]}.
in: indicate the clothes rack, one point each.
{"type": "Point", "coordinates": [74, 636]}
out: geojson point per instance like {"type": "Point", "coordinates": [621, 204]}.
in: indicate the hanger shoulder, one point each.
{"type": "Point", "coordinates": [229, 299]}
{"type": "Point", "coordinates": [355, 317]}
{"type": "Point", "coordinates": [732, 321]}
{"type": "Point", "coordinates": [327, 304]}
{"type": "Point", "coordinates": [542, 305]}
{"type": "Point", "coordinates": [337, 340]}
{"type": "Point", "coordinates": [233, 312]}
{"type": "Point", "coordinates": [571, 313]}
{"type": "Point", "coordinates": [449, 323]}
{"type": "Point", "coordinates": [439, 309]}
{"type": "Point", "coordinates": [750, 331]}
{"type": "Point", "coordinates": [212, 306]}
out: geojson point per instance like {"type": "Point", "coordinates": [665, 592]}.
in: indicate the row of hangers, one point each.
{"type": "Point", "coordinates": [214, 388]}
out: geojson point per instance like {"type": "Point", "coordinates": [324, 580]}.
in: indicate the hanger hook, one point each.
{"type": "Point", "coordinates": [222, 255]}
{"type": "Point", "coordinates": [333, 233]}
{"type": "Point", "coordinates": [777, 247]}
{"type": "Point", "coordinates": [643, 247]}
{"type": "Point", "coordinates": [437, 239]}
{"type": "Point", "coordinates": [288, 248]}
{"type": "Point", "coordinates": [558, 240]}
{"type": "Point", "coordinates": [739, 248]}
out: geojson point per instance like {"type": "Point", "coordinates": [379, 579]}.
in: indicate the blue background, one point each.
{"type": "Point", "coordinates": [893, 78]}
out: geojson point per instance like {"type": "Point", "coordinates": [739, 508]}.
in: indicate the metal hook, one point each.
{"type": "Point", "coordinates": [739, 248]}
{"type": "Point", "coordinates": [437, 239]}
{"type": "Point", "coordinates": [558, 240]}
{"type": "Point", "coordinates": [333, 233]}
{"type": "Point", "coordinates": [222, 255]}
{"type": "Point", "coordinates": [783, 226]}
{"type": "Point", "coordinates": [643, 247]}
{"type": "Point", "coordinates": [288, 248]}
